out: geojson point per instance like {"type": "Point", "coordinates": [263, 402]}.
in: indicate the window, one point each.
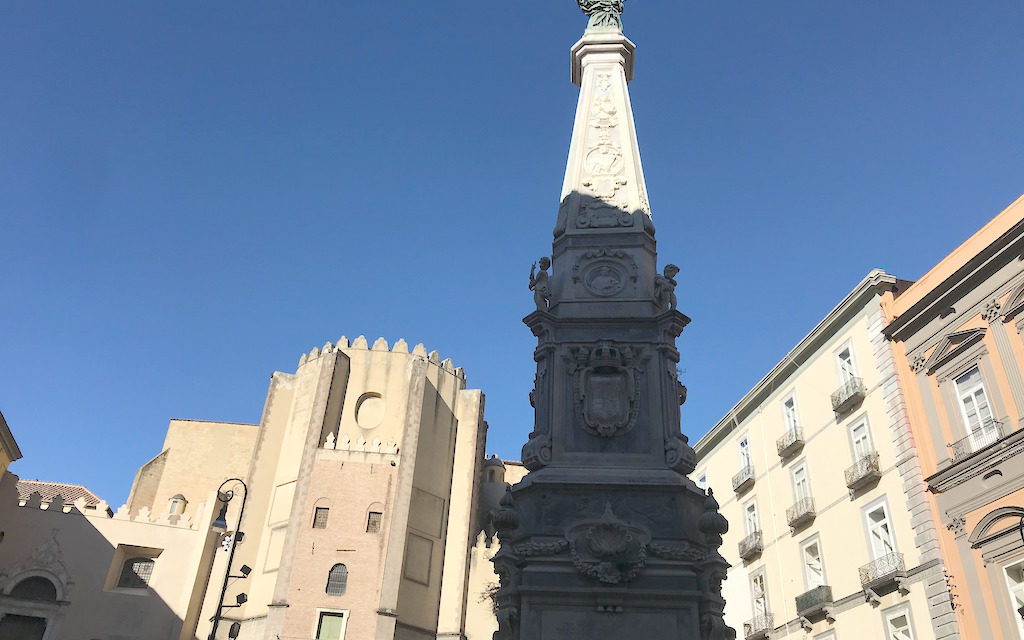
{"type": "Point", "coordinates": [860, 438]}
{"type": "Point", "coordinates": [814, 568]}
{"type": "Point", "coordinates": [702, 482]}
{"type": "Point", "coordinates": [801, 482]}
{"type": "Point", "coordinates": [976, 410]}
{"type": "Point", "coordinates": [750, 522]}
{"type": "Point", "coordinates": [320, 517]}
{"type": "Point", "coordinates": [898, 625]}
{"type": "Point", "coordinates": [844, 359]}
{"type": "Point", "coordinates": [373, 521]}
{"type": "Point", "coordinates": [759, 594]}
{"type": "Point", "coordinates": [337, 580]}
{"type": "Point", "coordinates": [135, 573]}
{"type": "Point", "coordinates": [744, 451]}
{"type": "Point", "coordinates": [789, 412]}
{"type": "Point", "coordinates": [331, 625]}
{"type": "Point", "coordinates": [1015, 583]}
{"type": "Point", "coordinates": [880, 539]}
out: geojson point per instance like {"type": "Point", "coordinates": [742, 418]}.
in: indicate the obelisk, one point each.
{"type": "Point", "coordinates": [606, 537]}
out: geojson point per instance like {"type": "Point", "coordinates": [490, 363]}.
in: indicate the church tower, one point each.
{"type": "Point", "coordinates": [606, 536]}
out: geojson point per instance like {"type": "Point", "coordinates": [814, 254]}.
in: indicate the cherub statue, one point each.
{"type": "Point", "coordinates": [539, 284]}
{"type": "Point", "coordinates": [665, 288]}
{"type": "Point", "coordinates": [604, 14]}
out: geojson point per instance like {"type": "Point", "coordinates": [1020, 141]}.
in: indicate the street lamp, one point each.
{"type": "Point", "coordinates": [225, 496]}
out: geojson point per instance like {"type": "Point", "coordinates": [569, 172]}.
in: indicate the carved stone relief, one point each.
{"type": "Point", "coordinates": [606, 272]}
{"type": "Point", "coordinates": [606, 390]}
{"type": "Point", "coordinates": [609, 550]}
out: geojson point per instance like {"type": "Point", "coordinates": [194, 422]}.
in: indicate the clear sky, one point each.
{"type": "Point", "coordinates": [192, 194]}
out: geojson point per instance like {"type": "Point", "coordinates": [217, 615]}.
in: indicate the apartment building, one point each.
{"type": "Point", "coordinates": [830, 534]}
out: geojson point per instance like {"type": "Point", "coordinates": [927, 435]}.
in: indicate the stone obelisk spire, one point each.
{"type": "Point", "coordinates": [606, 536]}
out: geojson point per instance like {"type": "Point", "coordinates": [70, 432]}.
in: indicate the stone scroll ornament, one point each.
{"type": "Point", "coordinates": [605, 15]}
{"type": "Point", "coordinates": [606, 393]}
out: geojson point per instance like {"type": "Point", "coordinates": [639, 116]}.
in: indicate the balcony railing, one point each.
{"type": "Point", "coordinates": [989, 432]}
{"type": "Point", "coordinates": [800, 513]}
{"type": "Point", "coordinates": [863, 472]}
{"type": "Point", "coordinates": [846, 396]}
{"type": "Point", "coordinates": [882, 570]}
{"type": "Point", "coordinates": [751, 546]}
{"type": "Point", "coordinates": [758, 626]}
{"type": "Point", "coordinates": [790, 442]}
{"type": "Point", "coordinates": [814, 601]}
{"type": "Point", "coordinates": [744, 479]}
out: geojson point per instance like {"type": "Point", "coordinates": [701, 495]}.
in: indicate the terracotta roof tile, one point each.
{"type": "Point", "coordinates": [48, 490]}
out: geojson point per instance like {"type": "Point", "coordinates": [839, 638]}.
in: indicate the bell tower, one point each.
{"type": "Point", "coordinates": [607, 535]}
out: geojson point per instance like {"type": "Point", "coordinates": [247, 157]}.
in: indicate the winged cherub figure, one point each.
{"type": "Point", "coordinates": [604, 14]}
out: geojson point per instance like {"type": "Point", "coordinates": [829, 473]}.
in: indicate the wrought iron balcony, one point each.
{"type": "Point", "coordinates": [758, 627]}
{"type": "Point", "coordinates": [744, 479]}
{"type": "Point", "coordinates": [878, 572]}
{"type": "Point", "coordinates": [814, 601]}
{"type": "Point", "coordinates": [989, 433]}
{"type": "Point", "coordinates": [751, 546]}
{"type": "Point", "coordinates": [863, 472]}
{"type": "Point", "coordinates": [790, 442]}
{"type": "Point", "coordinates": [801, 513]}
{"type": "Point", "coordinates": [846, 396]}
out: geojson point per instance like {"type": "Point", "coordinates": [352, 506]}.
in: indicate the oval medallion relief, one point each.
{"type": "Point", "coordinates": [603, 280]}
{"type": "Point", "coordinates": [370, 410]}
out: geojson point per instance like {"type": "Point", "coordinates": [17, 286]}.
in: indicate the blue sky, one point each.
{"type": "Point", "coordinates": [192, 194]}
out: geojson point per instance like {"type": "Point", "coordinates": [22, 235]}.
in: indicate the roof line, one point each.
{"type": "Point", "coordinates": [877, 278]}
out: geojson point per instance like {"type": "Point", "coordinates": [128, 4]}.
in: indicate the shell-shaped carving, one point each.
{"type": "Point", "coordinates": [434, 358]}
{"type": "Point", "coordinates": [380, 344]}
{"type": "Point", "coordinates": [359, 343]}
{"type": "Point", "coordinates": [342, 342]}
{"type": "Point", "coordinates": [400, 347]}
{"type": "Point", "coordinates": [419, 350]}
{"type": "Point", "coordinates": [447, 365]}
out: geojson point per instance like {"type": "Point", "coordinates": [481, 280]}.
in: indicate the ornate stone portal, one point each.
{"type": "Point", "coordinates": [606, 537]}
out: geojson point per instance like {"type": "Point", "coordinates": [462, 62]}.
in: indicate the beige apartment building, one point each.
{"type": "Point", "coordinates": [830, 532]}
{"type": "Point", "coordinates": [957, 333]}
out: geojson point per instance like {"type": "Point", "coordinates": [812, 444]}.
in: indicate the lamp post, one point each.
{"type": "Point", "coordinates": [225, 496]}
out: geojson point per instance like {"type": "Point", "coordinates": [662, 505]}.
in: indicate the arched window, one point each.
{"type": "Point", "coordinates": [35, 588]}
{"type": "Point", "coordinates": [135, 573]}
{"type": "Point", "coordinates": [337, 580]}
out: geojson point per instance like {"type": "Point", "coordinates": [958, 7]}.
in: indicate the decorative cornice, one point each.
{"type": "Point", "coordinates": [976, 464]}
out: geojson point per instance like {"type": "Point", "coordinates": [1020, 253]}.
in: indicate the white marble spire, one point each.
{"type": "Point", "coordinates": [604, 158]}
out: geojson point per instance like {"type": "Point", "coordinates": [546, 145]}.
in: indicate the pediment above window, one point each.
{"type": "Point", "coordinates": [1014, 304]}
{"type": "Point", "coordinates": [997, 523]}
{"type": "Point", "coordinates": [953, 345]}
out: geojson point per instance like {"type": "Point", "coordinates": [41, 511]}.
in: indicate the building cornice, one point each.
{"type": "Point", "coordinates": [873, 284]}
{"type": "Point", "coordinates": [936, 300]}
{"type": "Point", "coordinates": [7, 440]}
{"type": "Point", "coordinates": [977, 463]}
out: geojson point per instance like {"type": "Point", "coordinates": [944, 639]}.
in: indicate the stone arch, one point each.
{"type": "Point", "coordinates": [986, 529]}
{"type": "Point", "coordinates": [60, 588]}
